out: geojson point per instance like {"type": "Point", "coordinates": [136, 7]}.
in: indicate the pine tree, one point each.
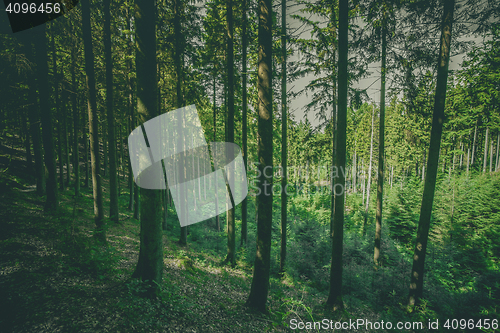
{"type": "Point", "coordinates": [260, 282]}
{"type": "Point", "coordinates": [150, 265]}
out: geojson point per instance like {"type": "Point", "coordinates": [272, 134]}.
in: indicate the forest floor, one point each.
{"type": "Point", "coordinates": [55, 278]}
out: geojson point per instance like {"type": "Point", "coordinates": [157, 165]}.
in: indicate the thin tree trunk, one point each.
{"type": "Point", "coordinates": [368, 185]}
{"type": "Point", "coordinates": [498, 155]}
{"type": "Point", "coordinates": [58, 112]}
{"type": "Point", "coordinates": [354, 171]}
{"type": "Point", "coordinates": [86, 146]}
{"type": "Point", "coordinates": [132, 123]}
{"type": "Point", "coordinates": [34, 128]}
{"type": "Point", "coordinates": [51, 202]}
{"type": "Point", "coordinates": [244, 203]}
{"type": "Point", "coordinates": [217, 218]}
{"type": "Point", "coordinates": [284, 119]}
{"type": "Point", "coordinates": [178, 54]}
{"type": "Point", "coordinates": [417, 272]}
{"type": "Point", "coordinates": [381, 143]}
{"type": "Point", "coordinates": [485, 150]}
{"type": "Point", "coordinates": [333, 19]}
{"type": "Point", "coordinates": [113, 170]}
{"type": "Point", "coordinates": [231, 232]}
{"type": "Point", "coordinates": [491, 156]}
{"type": "Point", "coordinates": [65, 135]}
{"type": "Point", "coordinates": [260, 281]}
{"type": "Point", "coordinates": [93, 122]}
{"type": "Point", "coordinates": [76, 122]}
{"type": "Point", "coordinates": [474, 144]}
{"type": "Point", "coordinates": [27, 144]}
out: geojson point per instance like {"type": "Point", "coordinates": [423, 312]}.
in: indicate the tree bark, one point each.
{"type": "Point", "coordinates": [417, 272]}
{"type": "Point", "coordinates": [231, 232]}
{"type": "Point", "coordinates": [244, 203]}
{"type": "Point", "coordinates": [368, 185]}
{"type": "Point", "coordinates": [381, 144]}
{"type": "Point", "coordinates": [335, 293]}
{"type": "Point", "coordinates": [93, 122]}
{"type": "Point", "coordinates": [51, 202]}
{"type": "Point", "coordinates": [34, 119]}
{"type": "Point", "coordinates": [284, 120]}
{"type": "Point", "coordinates": [58, 112]}
{"type": "Point", "coordinates": [264, 200]}
{"type": "Point", "coordinates": [485, 150]}
{"type": "Point", "coordinates": [150, 265]}
{"type": "Point", "coordinates": [76, 122]}
{"type": "Point", "coordinates": [113, 186]}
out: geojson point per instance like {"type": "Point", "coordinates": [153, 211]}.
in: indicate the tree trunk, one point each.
{"type": "Point", "coordinates": [244, 203]}
{"type": "Point", "coordinates": [417, 272]}
{"type": "Point", "coordinates": [178, 54]}
{"type": "Point", "coordinates": [150, 265]}
{"type": "Point", "coordinates": [231, 232]}
{"type": "Point", "coordinates": [335, 294]}
{"type": "Point", "coordinates": [474, 144]}
{"type": "Point", "coordinates": [132, 123]}
{"type": "Point", "coordinates": [498, 155]}
{"type": "Point", "coordinates": [491, 156]}
{"type": "Point", "coordinates": [65, 135]}
{"type": "Point", "coordinates": [27, 144]}
{"type": "Point", "coordinates": [93, 122]}
{"type": "Point", "coordinates": [333, 19]}
{"type": "Point", "coordinates": [485, 150]}
{"type": "Point", "coordinates": [217, 218]}
{"type": "Point", "coordinates": [113, 186]}
{"type": "Point", "coordinates": [58, 112]}
{"type": "Point", "coordinates": [381, 143]}
{"type": "Point", "coordinates": [264, 201]}
{"type": "Point", "coordinates": [51, 202]}
{"type": "Point", "coordinates": [34, 119]}
{"type": "Point", "coordinates": [76, 123]}
{"type": "Point", "coordinates": [284, 119]}
{"type": "Point", "coordinates": [368, 185]}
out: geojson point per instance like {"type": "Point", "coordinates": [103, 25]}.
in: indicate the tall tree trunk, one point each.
{"type": "Point", "coordinates": [491, 155]}
{"type": "Point", "coordinates": [381, 146]}
{"type": "Point", "coordinates": [150, 265]}
{"type": "Point", "coordinates": [27, 144]}
{"type": "Point", "coordinates": [86, 147]}
{"type": "Point", "coordinates": [231, 232]}
{"type": "Point", "coordinates": [51, 202]}
{"type": "Point", "coordinates": [244, 203]}
{"type": "Point", "coordinates": [76, 122]}
{"type": "Point", "coordinates": [354, 171]}
{"type": "Point", "coordinates": [58, 112]}
{"type": "Point", "coordinates": [178, 63]}
{"type": "Point", "coordinates": [34, 119]}
{"type": "Point", "coordinates": [417, 271]}
{"type": "Point", "coordinates": [498, 155]}
{"type": "Point", "coordinates": [368, 185]}
{"type": "Point", "coordinates": [260, 281]}
{"type": "Point", "coordinates": [333, 19]}
{"type": "Point", "coordinates": [65, 135]}
{"type": "Point", "coordinates": [474, 143]}
{"type": "Point", "coordinates": [93, 122]}
{"type": "Point", "coordinates": [132, 124]}
{"type": "Point", "coordinates": [113, 186]}
{"type": "Point", "coordinates": [485, 150]}
{"type": "Point", "coordinates": [217, 218]}
{"type": "Point", "coordinates": [335, 294]}
{"type": "Point", "coordinates": [284, 120]}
